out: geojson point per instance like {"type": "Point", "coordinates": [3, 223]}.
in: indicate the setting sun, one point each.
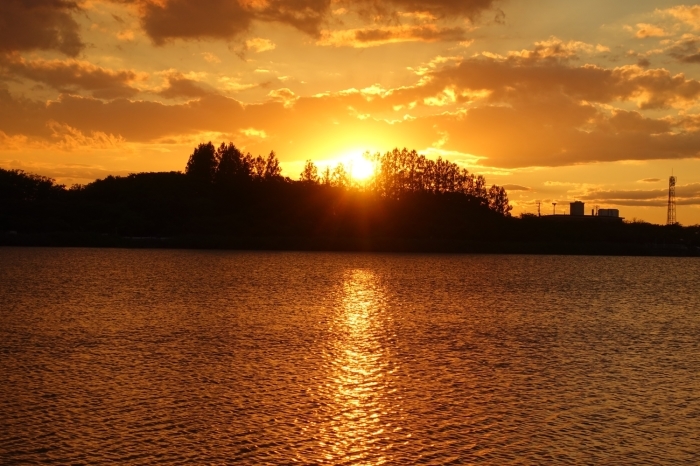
{"type": "Point", "coordinates": [360, 167]}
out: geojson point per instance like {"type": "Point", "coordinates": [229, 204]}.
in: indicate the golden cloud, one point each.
{"type": "Point", "coordinates": [258, 45]}
{"type": "Point", "coordinates": [374, 36]}
{"type": "Point", "coordinates": [689, 15]}
{"type": "Point", "coordinates": [645, 30]}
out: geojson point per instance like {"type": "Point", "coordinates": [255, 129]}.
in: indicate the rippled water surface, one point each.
{"type": "Point", "coordinates": [186, 357]}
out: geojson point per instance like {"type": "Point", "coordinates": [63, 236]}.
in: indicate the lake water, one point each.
{"type": "Point", "coordinates": [191, 357]}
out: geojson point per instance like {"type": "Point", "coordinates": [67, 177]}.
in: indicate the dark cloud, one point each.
{"type": "Point", "coordinates": [439, 8]}
{"type": "Point", "coordinates": [513, 77]}
{"type": "Point", "coordinates": [650, 180]}
{"type": "Point", "coordinates": [144, 121]}
{"type": "Point", "coordinates": [226, 19]}
{"type": "Point", "coordinates": [305, 15]}
{"type": "Point", "coordinates": [686, 195]}
{"type": "Point", "coordinates": [181, 87]}
{"type": "Point", "coordinates": [686, 51]}
{"type": "Point", "coordinates": [22, 116]}
{"type": "Point", "coordinates": [648, 203]}
{"type": "Point", "coordinates": [187, 19]}
{"type": "Point", "coordinates": [71, 76]}
{"type": "Point", "coordinates": [624, 121]}
{"type": "Point", "coordinates": [636, 195]}
{"type": "Point", "coordinates": [39, 24]}
{"type": "Point", "coordinates": [515, 187]}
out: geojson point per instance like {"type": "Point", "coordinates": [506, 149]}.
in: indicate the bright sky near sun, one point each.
{"type": "Point", "coordinates": [557, 100]}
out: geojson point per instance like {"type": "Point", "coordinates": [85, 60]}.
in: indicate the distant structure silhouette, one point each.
{"type": "Point", "coordinates": [555, 208]}
{"type": "Point", "coordinates": [577, 208]}
{"type": "Point", "coordinates": [671, 216]}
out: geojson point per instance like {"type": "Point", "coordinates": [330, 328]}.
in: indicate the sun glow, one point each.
{"type": "Point", "coordinates": [359, 166]}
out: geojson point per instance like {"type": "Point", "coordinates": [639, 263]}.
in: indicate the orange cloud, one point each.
{"type": "Point", "coordinates": [68, 138]}
{"type": "Point", "coordinates": [645, 30]}
{"type": "Point", "coordinates": [556, 49]}
{"type": "Point", "coordinates": [210, 57]}
{"type": "Point", "coordinates": [258, 45]}
{"type": "Point", "coordinates": [284, 95]}
{"type": "Point", "coordinates": [71, 76]}
{"type": "Point", "coordinates": [689, 15]}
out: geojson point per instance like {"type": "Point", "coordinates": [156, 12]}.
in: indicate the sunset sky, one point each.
{"type": "Point", "coordinates": [557, 100]}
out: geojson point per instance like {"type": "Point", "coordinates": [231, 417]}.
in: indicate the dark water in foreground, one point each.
{"type": "Point", "coordinates": [182, 357]}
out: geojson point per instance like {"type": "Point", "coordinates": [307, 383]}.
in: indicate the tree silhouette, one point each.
{"type": "Point", "coordinates": [326, 177]}
{"type": "Point", "coordinates": [340, 178]}
{"type": "Point", "coordinates": [498, 200]}
{"type": "Point", "coordinates": [272, 167]}
{"type": "Point", "coordinates": [310, 173]}
{"type": "Point", "coordinates": [232, 167]}
{"type": "Point", "coordinates": [400, 172]}
{"type": "Point", "coordinates": [16, 185]}
{"type": "Point", "coordinates": [203, 163]}
{"type": "Point", "coordinates": [259, 165]}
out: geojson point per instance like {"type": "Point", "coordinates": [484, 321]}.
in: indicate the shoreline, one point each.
{"type": "Point", "coordinates": [350, 244]}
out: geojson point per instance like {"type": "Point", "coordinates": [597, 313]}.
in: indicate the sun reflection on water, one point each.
{"type": "Point", "coordinates": [361, 399]}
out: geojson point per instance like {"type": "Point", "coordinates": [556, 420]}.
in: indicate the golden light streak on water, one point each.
{"type": "Point", "coordinates": [360, 368]}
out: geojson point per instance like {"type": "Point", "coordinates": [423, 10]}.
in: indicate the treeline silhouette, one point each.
{"type": "Point", "coordinates": [402, 172]}
{"type": "Point", "coordinates": [226, 192]}
{"type": "Point", "coordinates": [398, 173]}
{"type": "Point", "coordinates": [226, 198]}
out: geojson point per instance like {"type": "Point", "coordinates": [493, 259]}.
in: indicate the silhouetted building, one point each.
{"type": "Point", "coordinates": [609, 213]}
{"type": "Point", "coordinates": [577, 208]}
{"type": "Point", "coordinates": [577, 213]}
